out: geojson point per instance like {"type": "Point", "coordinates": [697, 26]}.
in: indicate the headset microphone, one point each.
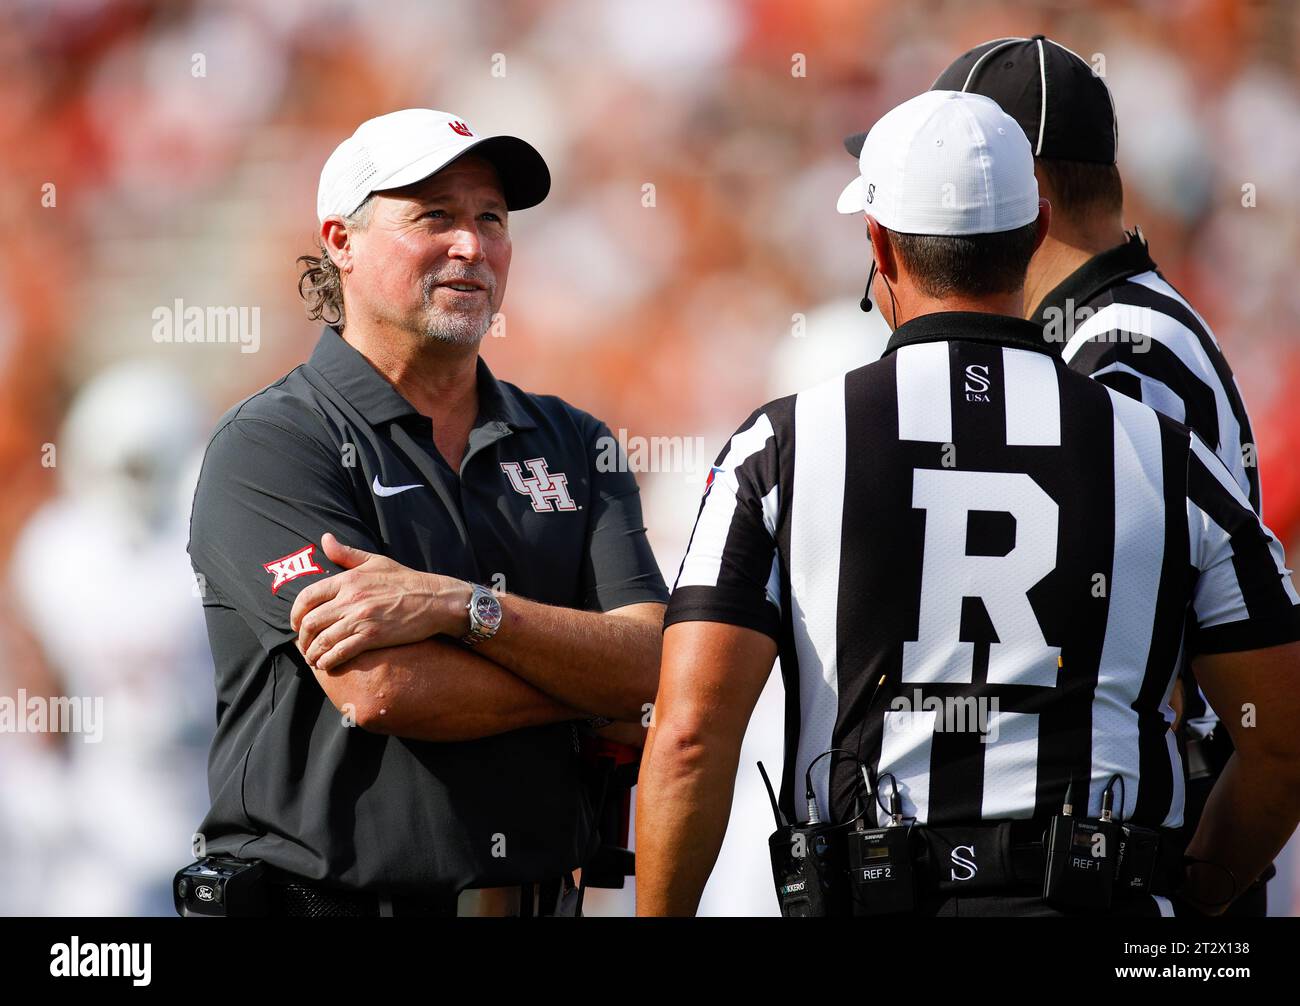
{"type": "Point", "coordinates": [866, 297]}
{"type": "Point", "coordinates": [781, 822]}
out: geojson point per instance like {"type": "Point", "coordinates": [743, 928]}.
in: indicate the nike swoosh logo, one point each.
{"type": "Point", "coordinates": [391, 490]}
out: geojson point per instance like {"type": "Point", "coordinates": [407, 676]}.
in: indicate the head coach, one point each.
{"type": "Point", "coordinates": [392, 731]}
{"type": "Point", "coordinates": [1099, 296]}
{"type": "Point", "coordinates": [975, 566]}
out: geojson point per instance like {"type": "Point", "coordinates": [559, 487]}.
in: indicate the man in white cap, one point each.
{"type": "Point", "coordinates": [419, 583]}
{"type": "Point", "coordinates": [976, 566]}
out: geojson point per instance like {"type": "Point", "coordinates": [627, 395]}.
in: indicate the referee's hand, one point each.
{"type": "Point", "coordinates": [375, 602]}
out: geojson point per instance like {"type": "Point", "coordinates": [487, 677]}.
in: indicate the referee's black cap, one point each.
{"type": "Point", "coordinates": [1062, 105]}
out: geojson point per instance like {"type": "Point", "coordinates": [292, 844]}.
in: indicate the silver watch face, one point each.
{"type": "Point", "coordinates": [486, 610]}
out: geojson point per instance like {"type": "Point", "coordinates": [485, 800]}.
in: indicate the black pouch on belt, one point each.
{"type": "Point", "coordinates": [218, 886]}
{"type": "Point", "coordinates": [969, 859]}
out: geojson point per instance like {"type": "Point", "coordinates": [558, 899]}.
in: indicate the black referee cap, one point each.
{"type": "Point", "coordinates": [1064, 108]}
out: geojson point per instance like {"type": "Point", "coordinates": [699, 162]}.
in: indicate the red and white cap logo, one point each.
{"type": "Point", "coordinates": [291, 566]}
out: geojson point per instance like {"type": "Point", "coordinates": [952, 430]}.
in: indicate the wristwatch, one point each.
{"type": "Point", "coordinates": [484, 616]}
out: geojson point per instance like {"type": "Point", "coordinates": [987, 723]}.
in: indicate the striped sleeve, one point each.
{"type": "Point", "coordinates": [1149, 378]}
{"type": "Point", "coordinates": [731, 572]}
{"type": "Point", "coordinates": [1150, 345]}
{"type": "Point", "coordinates": [1244, 598]}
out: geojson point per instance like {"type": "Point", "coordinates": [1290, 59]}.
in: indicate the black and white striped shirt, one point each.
{"type": "Point", "coordinates": [1122, 323]}
{"type": "Point", "coordinates": [971, 520]}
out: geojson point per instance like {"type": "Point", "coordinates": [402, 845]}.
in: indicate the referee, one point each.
{"type": "Point", "coordinates": [969, 519]}
{"type": "Point", "coordinates": [418, 581]}
{"type": "Point", "coordinates": [1098, 294]}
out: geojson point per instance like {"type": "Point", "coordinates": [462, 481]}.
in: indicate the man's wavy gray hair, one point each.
{"type": "Point", "coordinates": [320, 284]}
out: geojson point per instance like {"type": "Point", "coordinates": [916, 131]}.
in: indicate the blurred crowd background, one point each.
{"type": "Point", "coordinates": [688, 265]}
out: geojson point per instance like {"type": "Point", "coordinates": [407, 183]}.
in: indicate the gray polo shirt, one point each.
{"type": "Point", "coordinates": [332, 446]}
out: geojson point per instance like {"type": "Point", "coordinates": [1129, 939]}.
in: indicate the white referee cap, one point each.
{"type": "Point", "coordinates": [399, 148]}
{"type": "Point", "coordinates": [945, 162]}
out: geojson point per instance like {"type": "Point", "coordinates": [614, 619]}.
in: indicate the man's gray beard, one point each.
{"type": "Point", "coordinates": [456, 329]}
{"type": "Point", "coordinates": [453, 328]}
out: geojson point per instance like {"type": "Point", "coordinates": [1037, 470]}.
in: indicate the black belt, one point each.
{"type": "Point", "coordinates": [300, 898]}
{"type": "Point", "coordinates": [303, 899]}
{"type": "Point", "coordinates": [1009, 857]}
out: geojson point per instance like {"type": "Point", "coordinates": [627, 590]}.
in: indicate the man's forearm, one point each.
{"type": "Point", "coordinates": [1250, 815]}
{"type": "Point", "coordinates": [437, 691]}
{"type": "Point", "coordinates": [607, 663]}
{"type": "Point", "coordinates": [683, 803]}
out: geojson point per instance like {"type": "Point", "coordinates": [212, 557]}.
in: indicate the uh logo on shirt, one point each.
{"type": "Point", "coordinates": [547, 491]}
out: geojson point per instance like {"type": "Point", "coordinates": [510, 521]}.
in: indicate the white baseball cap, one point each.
{"type": "Point", "coordinates": [945, 162]}
{"type": "Point", "coordinates": [399, 148]}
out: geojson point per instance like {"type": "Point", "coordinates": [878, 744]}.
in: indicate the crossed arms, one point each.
{"type": "Point", "coordinates": [379, 638]}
